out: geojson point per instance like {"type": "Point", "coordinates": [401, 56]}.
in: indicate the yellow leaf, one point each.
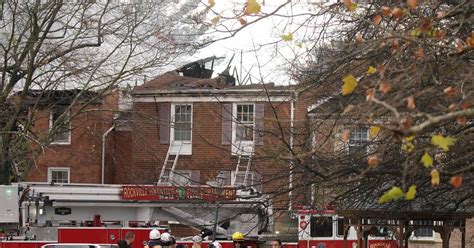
{"type": "Point", "coordinates": [427, 160]}
{"type": "Point", "coordinates": [212, 3]}
{"type": "Point", "coordinates": [371, 70]}
{"type": "Point", "coordinates": [393, 194]}
{"type": "Point", "coordinates": [350, 83]}
{"type": "Point", "coordinates": [409, 138]}
{"type": "Point", "coordinates": [442, 142]}
{"type": "Point", "coordinates": [299, 44]}
{"type": "Point", "coordinates": [215, 20]}
{"type": "Point", "coordinates": [350, 5]}
{"type": "Point", "coordinates": [434, 178]}
{"type": "Point", "coordinates": [408, 147]}
{"type": "Point", "coordinates": [374, 131]}
{"type": "Point", "coordinates": [415, 32]}
{"type": "Point", "coordinates": [410, 195]}
{"type": "Point", "coordinates": [287, 37]}
{"type": "Point", "coordinates": [252, 7]}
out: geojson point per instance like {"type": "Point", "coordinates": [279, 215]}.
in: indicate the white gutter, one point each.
{"type": "Point", "coordinates": [290, 176]}
{"type": "Point", "coordinates": [103, 153]}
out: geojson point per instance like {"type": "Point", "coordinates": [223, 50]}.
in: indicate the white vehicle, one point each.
{"type": "Point", "coordinates": [79, 245]}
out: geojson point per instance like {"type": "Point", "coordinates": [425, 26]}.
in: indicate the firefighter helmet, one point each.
{"type": "Point", "coordinates": [238, 236]}
{"type": "Point", "coordinates": [154, 234]}
{"type": "Point", "coordinates": [215, 244]}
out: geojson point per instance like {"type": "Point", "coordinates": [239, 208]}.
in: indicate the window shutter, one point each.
{"type": "Point", "coordinates": [195, 177]}
{"type": "Point", "coordinates": [226, 123]}
{"type": "Point", "coordinates": [228, 177]}
{"type": "Point", "coordinates": [165, 111]}
{"type": "Point", "coordinates": [259, 125]}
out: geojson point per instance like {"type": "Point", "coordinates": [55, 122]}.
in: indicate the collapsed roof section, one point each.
{"type": "Point", "coordinates": [58, 97]}
{"type": "Point", "coordinates": [196, 76]}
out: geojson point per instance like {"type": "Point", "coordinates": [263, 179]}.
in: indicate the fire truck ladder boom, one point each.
{"type": "Point", "coordinates": [167, 173]}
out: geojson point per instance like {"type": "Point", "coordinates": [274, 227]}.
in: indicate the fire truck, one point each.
{"type": "Point", "coordinates": [325, 229]}
{"type": "Point", "coordinates": [34, 214]}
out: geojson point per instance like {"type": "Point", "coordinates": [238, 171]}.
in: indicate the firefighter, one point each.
{"type": "Point", "coordinates": [197, 241]}
{"type": "Point", "coordinates": [215, 244]}
{"type": "Point", "coordinates": [238, 239]}
{"type": "Point", "coordinates": [154, 239]}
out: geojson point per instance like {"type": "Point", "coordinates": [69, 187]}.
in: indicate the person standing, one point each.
{"type": "Point", "coordinates": [127, 242]}
{"type": "Point", "coordinates": [238, 239]}
{"type": "Point", "coordinates": [197, 241]}
{"type": "Point", "coordinates": [276, 243]}
{"type": "Point", "coordinates": [155, 241]}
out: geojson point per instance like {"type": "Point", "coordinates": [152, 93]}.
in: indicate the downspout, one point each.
{"type": "Point", "coordinates": [104, 136]}
{"type": "Point", "coordinates": [290, 176]}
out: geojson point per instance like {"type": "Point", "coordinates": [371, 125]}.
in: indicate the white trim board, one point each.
{"type": "Point", "coordinates": [187, 99]}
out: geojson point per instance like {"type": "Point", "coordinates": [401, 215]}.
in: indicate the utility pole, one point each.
{"type": "Point", "coordinates": [220, 179]}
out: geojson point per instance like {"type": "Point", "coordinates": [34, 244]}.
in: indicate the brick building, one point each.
{"type": "Point", "coordinates": [186, 128]}
{"type": "Point", "coordinates": [193, 126]}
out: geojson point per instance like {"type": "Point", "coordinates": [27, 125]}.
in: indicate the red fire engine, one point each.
{"type": "Point", "coordinates": [325, 229]}
{"type": "Point", "coordinates": [103, 214]}
{"type": "Point", "coordinates": [34, 214]}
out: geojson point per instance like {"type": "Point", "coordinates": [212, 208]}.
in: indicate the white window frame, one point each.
{"type": "Point", "coordinates": [241, 147]}
{"type": "Point", "coordinates": [186, 146]}
{"type": "Point", "coordinates": [66, 169]}
{"type": "Point", "coordinates": [250, 179]}
{"type": "Point", "coordinates": [180, 173]}
{"type": "Point", "coordinates": [423, 238]}
{"type": "Point", "coordinates": [51, 122]}
{"type": "Point", "coordinates": [348, 145]}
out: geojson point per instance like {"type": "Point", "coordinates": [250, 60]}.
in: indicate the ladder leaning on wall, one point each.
{"type": "Point", "coordinates": [242, 166]}
{"type": "Point", "coordinates": [169, 165]}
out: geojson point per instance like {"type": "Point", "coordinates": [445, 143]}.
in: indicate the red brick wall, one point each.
{"type": "Point", "coordinates": [208, 154]}
{"type": "Point", "coordinates": [83, 154]}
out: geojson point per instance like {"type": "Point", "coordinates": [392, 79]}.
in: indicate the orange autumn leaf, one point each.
{"type": "Point", "coordinates": [377, 19]}
{"type": "Point", "coordinates": [470, 40]}
{"type": "Point", "coordinates": [450, 91]}
{"type": "Point", "coordinates": [412, 4]}
{"type": "Point", "coordinates": [349, 5]}
{"type": "Point", "coordinates": [453, 107]}
{"type": "Point", "coordinates": [242, 21]}
{"type": "Point", "coordinates": [411, 103]}
{"type": "Point", "coordinates": [385, 87]}
{"type": "Point", "coordinates": [397, 13]}
{"type": "Point", "coordinates": [373, 161]}
{"type": "Point", "coordinates": [440, 14]}
{"type": "Point", "coordinates": [346, 135]}
{"type": "Point", "coordinates": [211, 3]}
{"type": "Point", "coordinates": [386, 11]}
{"type": "Point", "coordinates": [456, 181]}
{"type": "Point", "coordinates": [435, 178]}
{"type": "Point", "coordinates": [406, 122]}
{"type": "Point", "coordinates": [420, 54]}
{"type": "Point", "coordinates": [369, 94]}
{"type": "Point", "coordinates": [358, 37]}
{"type": "Point", "coordinates": [395, 44]}
{"type": "Point", "coordinates": [381, 69]}
{"type": "Point", "coordinates": [461, 120]}
{"type": "Point", "coordinates": [465, 105]}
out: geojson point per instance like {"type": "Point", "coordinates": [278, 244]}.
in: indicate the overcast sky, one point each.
{"type": "Point", "coordinates": [272, 57]}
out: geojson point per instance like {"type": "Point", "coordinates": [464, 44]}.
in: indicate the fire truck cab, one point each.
{"type": "Point", "coordinates": [325, 229]}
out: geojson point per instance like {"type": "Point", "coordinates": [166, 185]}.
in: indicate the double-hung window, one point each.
{"type": "Point", "coordinates": [181, 128]}
{"type": "Point", "coordinates": [243, 129]}
{"type": "Point", "coordinates": [359, 140]}
{"type": "Point", "coordinates": [58, 175]}
{"type": "Point", "coordinates": [62, 129]}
